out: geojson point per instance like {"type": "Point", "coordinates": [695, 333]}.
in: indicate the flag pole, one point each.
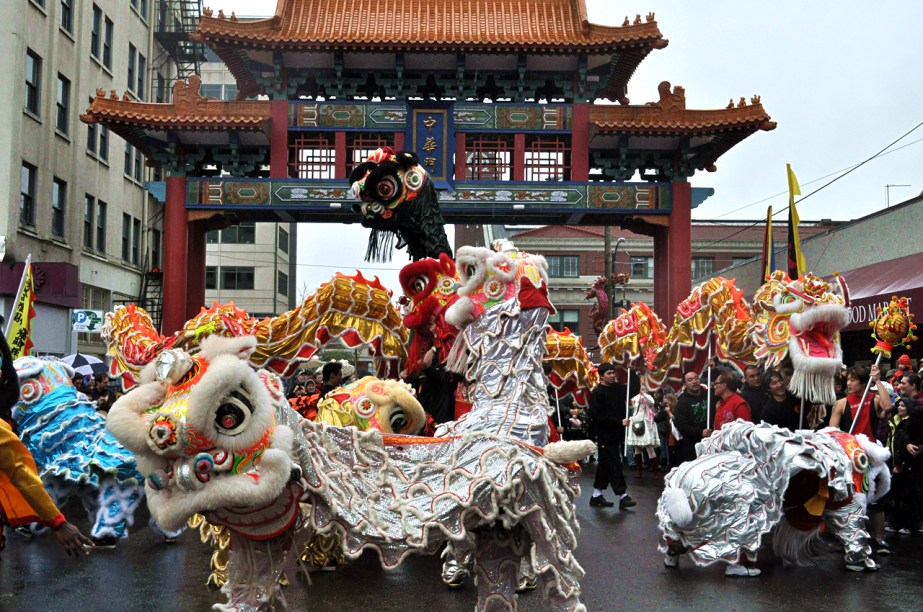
{"type": "Point", "coordinates": [22, 284]}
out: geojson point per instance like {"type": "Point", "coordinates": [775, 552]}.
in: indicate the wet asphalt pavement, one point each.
{"type": "Point", "coordinates": [618, 550]}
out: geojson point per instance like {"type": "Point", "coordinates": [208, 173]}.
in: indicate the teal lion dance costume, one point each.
{"type": "Point", "coordinates": [72, 449]}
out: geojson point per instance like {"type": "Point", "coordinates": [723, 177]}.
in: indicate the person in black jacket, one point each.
{"type": "Point", "coordinates": [607, 415]}
{"type": "Point", "coordinates": [691, 415]}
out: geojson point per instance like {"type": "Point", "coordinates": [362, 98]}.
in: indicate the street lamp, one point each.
{"type": "Point", "coordinates": [888, 192]}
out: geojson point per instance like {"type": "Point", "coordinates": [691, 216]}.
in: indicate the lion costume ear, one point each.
{"type": "Point", "coordinates": [406, 159]}
{"type": "Point", "coordinates": [360, 171]}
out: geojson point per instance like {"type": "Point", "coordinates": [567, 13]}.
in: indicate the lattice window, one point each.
{"type": "Point", "coordinates": [359, 146]}
{"type": "Point", "coordinates": [489, 157]}
{"type": "Point", "coordinates": [314, 157]}
{"type": "Point", "coordinates": [547, 158]}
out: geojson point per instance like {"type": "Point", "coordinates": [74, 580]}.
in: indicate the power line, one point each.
{"type": "Point", "coordinates": [824, 186]}
{"type": "Point", "coordinates": [820, 178]}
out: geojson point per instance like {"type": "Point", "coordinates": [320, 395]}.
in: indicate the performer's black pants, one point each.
{"type": "Point", "coordinates": [609, 470]}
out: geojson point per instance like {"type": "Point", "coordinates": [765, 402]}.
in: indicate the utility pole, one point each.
{"type": "Point", "coordinates": [888, 192]}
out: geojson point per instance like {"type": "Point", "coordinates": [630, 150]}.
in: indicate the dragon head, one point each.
{"type": "Point", "coordinates": [429, 288]}
{"type": "Point", "coordinates": [802, 319]}
{"type": "Point", "coordinates": [490, 277]}
{"type": "Point", "coordinates": [204, 430]}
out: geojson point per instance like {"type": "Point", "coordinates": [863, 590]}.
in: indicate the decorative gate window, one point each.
{"type": "Point", "coordinates": [489, 157]}
{"type": "Point", "coordinates": [312, 157]}
{"type": "Point", "coordinates": [547, 158]}
{"type": "Point", "coordinates": [359, 146]}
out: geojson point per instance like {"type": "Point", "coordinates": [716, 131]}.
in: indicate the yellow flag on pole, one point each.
{"type": "Point", "coordinates": [19, 328]}
{"type": "Point", "coordinates": [796, 267]}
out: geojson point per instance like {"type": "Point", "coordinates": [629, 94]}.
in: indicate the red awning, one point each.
{"type": "Point", "coordinates": [872, 286]}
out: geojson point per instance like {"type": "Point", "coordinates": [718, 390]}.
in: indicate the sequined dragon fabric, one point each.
{"type": "Point", "coordinates": [505, 349]}
{"type": "Point", "coordinates": [736, 491]}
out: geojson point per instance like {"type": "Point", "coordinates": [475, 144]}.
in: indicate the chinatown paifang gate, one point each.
{"type": "Point", "coordinates": [346, 77]}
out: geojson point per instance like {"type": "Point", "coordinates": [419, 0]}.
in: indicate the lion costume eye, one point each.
{"type": "Point", "coordinates": [233, 415]}
{"type": "Point", "coordinates": [386, 188]}
{"type": "Point", "coordinates": [419, 285]}
{"type": "Point", "coordinates": [398, 421]}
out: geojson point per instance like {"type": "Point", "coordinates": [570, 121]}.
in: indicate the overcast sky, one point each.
{"type": "Point", "coordinates": [842, 79]}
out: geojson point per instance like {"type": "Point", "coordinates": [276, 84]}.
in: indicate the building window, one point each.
{"type": "Point", "coordinates": [213, 237]}
{"type": "Point", "coordinates": [565, 319]}
{"type": "Point", "coordinates": [129, 152]}
{"type": "Point", "coordinates": [132, 60]}
{"type": "Point", "coordinates": [95, 28]}
{"type": "Point", "coordinates": [101, 226]}
{"type": "Point", "coordinates": [161, 95]}
{"type": "Point", "coordinates": [211, 277]}
{"type": "Point", "coordinates": [58, 202]}
{"type": "Point", "coordinates": [67, 15]}
{"type": "Point", "coordinates": [141, 7]}
{"type": "Point", "coordinates": [547, 158]}
{"type": "Point", "coordinates": [563, 266]}
{"type": "Point", "coordinates": [283, 283]}
{"type": "Point", "coordinates": [33, 99]}
{"type": "Point", "coordinates": [136, 243]}
{"type": "Point", "coordinates": [230, 92]}
{"type": "Point", "coordinates": [236, 277]}
{"type": "Point", "coordinates": [63, 105]}
{"type": "Point", "coordinates": [27, 195]}
{"type": "Point", "coordinates": [142, 76]}
{"type": "Point", "coordinates": [126, 237]}
{"type": "Point", "coordinates": [92, 135]}
{"type": "Point", "coordinates": [642, 267]}
{"type": "Point", "coordinates": [89, 212]}
{"type": "Point", "coordinates": [314, 157]}
{"type": "Point", "coordinates": [139, 159]}
{"type": "Point", "coordinates": [107, 44]}
{"type": "Point", "coordinates": [489, 157]}
{"type": "Point", "coordinates": [103, 151]}
{"type": "Point", "coordinates": [283, 240]}
{"type": "Point", "coordinates": [244, 233]}
{"type": "Point", "coordinates": [155, 248]}
{"type": "Point", "coordinates": [702, 268]}
{"type": "Point", "coordinates": [210, 90]}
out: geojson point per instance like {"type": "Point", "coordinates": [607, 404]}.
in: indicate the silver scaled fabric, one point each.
{"type": "Point", "coordinates": [407, 495]}
{"type": "Point", "coordinates": [505, 347]}
{"type": "Point", "coordinates": [736, 488]}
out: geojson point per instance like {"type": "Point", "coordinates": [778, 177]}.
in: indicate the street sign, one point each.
{"type": "Point", "coordinates": [90, 321]}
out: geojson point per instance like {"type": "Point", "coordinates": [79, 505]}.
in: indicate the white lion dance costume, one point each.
{"type": "Point", "coordinates": [751, 479]}
{"type": "Point", "coordinates": [213, 435]}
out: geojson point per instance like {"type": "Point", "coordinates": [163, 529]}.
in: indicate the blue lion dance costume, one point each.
{"type": "Point", "coordinates": [72, 449]}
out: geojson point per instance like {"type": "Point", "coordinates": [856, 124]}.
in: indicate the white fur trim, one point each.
{"type": "Point", "coordinates": [459, 313]}
{"type": "Point", "coordinates": [126, 419]}
{"type": "Point", "coordinates": [676, 504]}
{"type": "Point", "coordinates": [570, 451]}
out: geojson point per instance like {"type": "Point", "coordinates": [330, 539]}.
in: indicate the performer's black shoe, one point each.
{"type": "Point", "coordinates": [601, 502]}
{"type": "Point", "coordinates": [627, 502]}
{"type": "Point", "coordinates": [106, 542]}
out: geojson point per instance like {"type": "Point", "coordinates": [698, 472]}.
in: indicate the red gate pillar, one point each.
{"type": "Point", "coordinates": [195, 270]}
{"type": "Point", "coordinates": [580, 144]}
{"type": "Point", "coordinates": [673, 255]}
{"type": "Point", "coordinates": [175, 238]}
{"type": "Point", "coordinates": [278, 139]}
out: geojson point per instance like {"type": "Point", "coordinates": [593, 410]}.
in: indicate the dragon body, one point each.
{"type": "Point", "coordinates": [799, 319]}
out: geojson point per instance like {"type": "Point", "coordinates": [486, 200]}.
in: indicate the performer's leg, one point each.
{"type": "Point", "coordinates": [253, 573]}
{"type": "Point", "coordinates": [847, 526]}
{"type": "Point", "coordinates": [116, 505]}
{"type": "Point", "coordinates": [496, 562]}
{"type": "Point", "coordinates": [458, 559]}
